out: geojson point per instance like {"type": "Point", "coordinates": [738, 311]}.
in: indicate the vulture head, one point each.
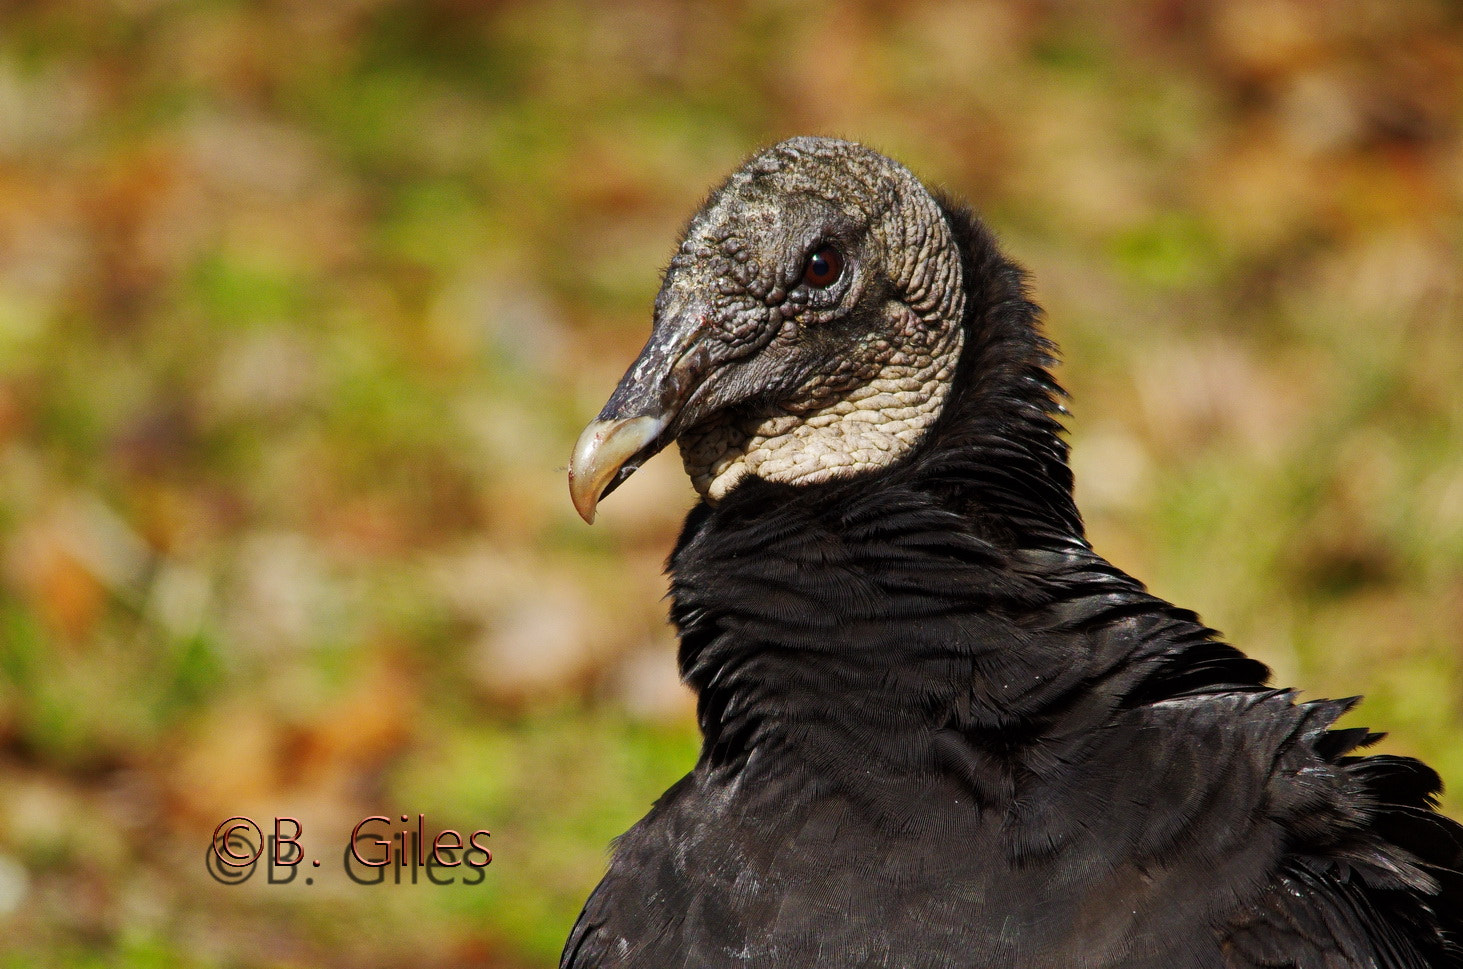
{"type": "Point", "coordinates": [808, 328]}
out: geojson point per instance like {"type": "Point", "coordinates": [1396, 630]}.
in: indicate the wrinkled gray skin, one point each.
{"type": "Point", "coordinates": [755, 371]}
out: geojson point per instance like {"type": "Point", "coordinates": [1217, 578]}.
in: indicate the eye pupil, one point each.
{"type": "Point", "coordinates": [824, 267]}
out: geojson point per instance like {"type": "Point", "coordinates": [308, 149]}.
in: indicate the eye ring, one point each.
{"type": "Point", "coordinates": [824, 268]}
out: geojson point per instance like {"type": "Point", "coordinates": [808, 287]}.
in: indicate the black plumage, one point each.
{"type": "Point", "coordinates": [940, 730]}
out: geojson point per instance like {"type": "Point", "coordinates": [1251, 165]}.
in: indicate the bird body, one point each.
{"type": "Point", "coordinates": [940, 730]}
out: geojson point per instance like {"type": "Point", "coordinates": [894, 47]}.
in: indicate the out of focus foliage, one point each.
{"type": "Point", "coordinates": [303, 302]}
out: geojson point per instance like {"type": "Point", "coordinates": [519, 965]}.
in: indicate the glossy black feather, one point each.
{"type": "Point", "coordinates": [940, 731]}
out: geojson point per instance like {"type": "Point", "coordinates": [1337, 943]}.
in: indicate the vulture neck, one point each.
{"type": "Point", "coordinates": [997, 452]}
{"type": "Point", "coordinates": [853, 621]}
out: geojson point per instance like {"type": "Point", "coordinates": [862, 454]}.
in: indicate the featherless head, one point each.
{"type": "Point", "coordinates": [807, 329]}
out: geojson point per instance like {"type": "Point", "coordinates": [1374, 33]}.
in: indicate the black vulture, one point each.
{"type": "Point", "coordinates": [940, 731]}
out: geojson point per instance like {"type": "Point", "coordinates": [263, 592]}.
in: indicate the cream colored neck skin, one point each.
{"type": "Point", "coordinates": [868, 428]}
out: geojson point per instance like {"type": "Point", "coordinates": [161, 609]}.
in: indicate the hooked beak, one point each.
{"type": "Point", "coordinates": [603, 457]}
{"type": "Point", "coordinates": [640, 418]}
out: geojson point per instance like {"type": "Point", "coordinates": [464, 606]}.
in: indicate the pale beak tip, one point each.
{"type": "Point", "coordinates": [585, 500]}
{"type": "Point", "coordinates": [601, 451]}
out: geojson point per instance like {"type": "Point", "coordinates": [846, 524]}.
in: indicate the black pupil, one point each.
{"type": "Point", "coordinates": [823, 267]}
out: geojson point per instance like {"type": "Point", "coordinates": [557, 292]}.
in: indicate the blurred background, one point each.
{"type": "Point", "coordinates": [302, 304]}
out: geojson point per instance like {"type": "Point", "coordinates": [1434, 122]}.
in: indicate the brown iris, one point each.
{"type": "Point", "coordinates": [824, 267]}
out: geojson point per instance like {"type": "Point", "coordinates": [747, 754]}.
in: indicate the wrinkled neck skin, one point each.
{"type": "Point", "coordinates": [870, 427]}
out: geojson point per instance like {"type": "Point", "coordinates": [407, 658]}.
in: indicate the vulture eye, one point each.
{"type": "Point", "coordinates": [824, 267]}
